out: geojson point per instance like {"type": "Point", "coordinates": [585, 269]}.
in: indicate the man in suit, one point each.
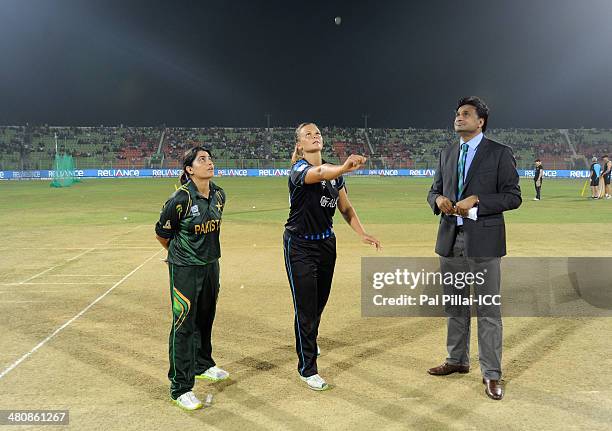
{"type": "Point", "coordinates": [474, 172]}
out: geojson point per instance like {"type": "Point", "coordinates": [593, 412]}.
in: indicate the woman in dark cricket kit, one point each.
{"type": "Point", "coordinates": [188, 228]}
{"type": "Point", "coordinates": [316, 188]}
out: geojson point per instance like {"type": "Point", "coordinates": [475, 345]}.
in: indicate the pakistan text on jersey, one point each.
{"type": "Point", "coordinates": [209, 226]}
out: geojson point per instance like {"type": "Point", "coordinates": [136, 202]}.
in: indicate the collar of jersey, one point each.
{"type": "Point", "coordinates": [194, 191]}
{"type": "Point", "coordinates": [323, 161]}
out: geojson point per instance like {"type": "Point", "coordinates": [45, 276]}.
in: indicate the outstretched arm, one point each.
{"type": "Point", "coordinates": [316, 174]}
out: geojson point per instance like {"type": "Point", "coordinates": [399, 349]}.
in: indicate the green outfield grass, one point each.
{"type": "Point", "coordinates": [378, 200]}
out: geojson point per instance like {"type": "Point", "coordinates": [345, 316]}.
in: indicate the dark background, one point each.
{"type": "Point", "coordinates": [538, 63]}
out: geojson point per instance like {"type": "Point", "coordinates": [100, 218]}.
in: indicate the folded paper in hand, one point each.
{"type": "Point", "coordinates": [472, 213]}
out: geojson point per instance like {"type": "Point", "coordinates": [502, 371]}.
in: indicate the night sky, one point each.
{"type": "Point", "coordinates": [537, 63]}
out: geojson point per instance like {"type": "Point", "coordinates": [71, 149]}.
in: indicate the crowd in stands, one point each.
{"type": "Point", "coordinates": [33, 147]}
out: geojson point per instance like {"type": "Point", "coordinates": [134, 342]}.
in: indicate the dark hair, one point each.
{"type": "Point", "coordinates": [538, 160]}
{"type": "Point", "coordinates": [482, 110]}
{"type": "Point", "coordinates": [605, 155]}
{"type": "Point", "coordinates": [188, 159]}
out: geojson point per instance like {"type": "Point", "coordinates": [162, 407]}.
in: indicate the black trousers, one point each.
{"type": "Point", "coordinates": [538, 189]}
{"type": "Point", "coordinates": [193, 291]}
{"type": "Point", "coordinates": [310, 269]}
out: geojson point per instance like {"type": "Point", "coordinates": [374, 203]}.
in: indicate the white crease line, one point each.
{"type": "Point", "coordinates": [57, 266]}
{"type": "Point", "coordinates": [132, 244]}
{"type": "Point", "coordinates": [17, 302]}
{"type": "Point", "coordinates": [81, 254]}
{"type": "Point", "coordinates": [83, 311]}
{"type": "Point", "coordinates": [82, 283]}
{"type": "Point", "coordinates": [42, 248]}
{"type": "Point", "coordinates": [126, 233]}
{"type": "Point", "coordinates": [85, 275]}
{"type": "Point", "coordinates": [38, 291]}
{"type": "Point", "coordinates": [122, 234]}
{"type": "Point", "coordinates": [118, 247]}
{"type": "Point", "coordinates": [104, 250]}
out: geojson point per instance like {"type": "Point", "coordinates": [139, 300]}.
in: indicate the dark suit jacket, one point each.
{"type": "Point", "coordinates": [493, 178]}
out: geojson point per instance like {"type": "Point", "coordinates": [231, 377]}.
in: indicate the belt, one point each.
{"type": "Point", "coordinates": [317, 236]}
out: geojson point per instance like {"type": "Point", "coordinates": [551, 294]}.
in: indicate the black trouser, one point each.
{"type": "Point", "coordinates": [310, 269]}
{"type": "Point", "coordinates": [538, 188]}
{"type": "Point", "coordinates": [193, 291]}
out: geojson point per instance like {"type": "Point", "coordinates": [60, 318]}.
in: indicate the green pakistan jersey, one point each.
{"type": "Point", "coordinates": [192, 223]}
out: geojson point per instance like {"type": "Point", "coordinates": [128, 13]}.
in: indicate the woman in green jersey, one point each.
{"type": "Point", "coordinates": [188, 228]}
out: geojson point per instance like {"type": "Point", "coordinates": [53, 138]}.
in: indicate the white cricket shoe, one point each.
{"type": "Point", "coordinates": [213, 374]}
{"type": "Point", "coordinates": [315, 382]}
{"type": "Point", "coordinates": [535, 199]}
{"type": "Point", "coordinates": [188, 401]}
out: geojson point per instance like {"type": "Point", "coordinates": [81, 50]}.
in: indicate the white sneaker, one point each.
{"type": "Point", "coordinates": [213, 374]}
{"type": "Point", "coordinates": [188, 401]}
{"type": "Point", "coordinates": [535, 199]}
{"type": "Point", "coordinates": [315, 382]}
{"type": "Point", "coordinates": [318, 351]}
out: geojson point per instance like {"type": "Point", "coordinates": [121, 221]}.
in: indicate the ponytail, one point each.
{"type": "Point", "coordinates": [297, 153]}
{"type": "Point", "coordinates": [184, 177]}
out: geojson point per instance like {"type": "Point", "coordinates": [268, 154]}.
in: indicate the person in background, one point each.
{"type": "Point", "coordinates": [538, 176]}
{"type": "Point", "coordinates": [605, 175]}
{"type": "Point", "coordinates": [595, 171]}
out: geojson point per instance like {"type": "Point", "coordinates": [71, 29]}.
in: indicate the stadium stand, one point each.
{"type": "Point", "coordinates": [33, 147]}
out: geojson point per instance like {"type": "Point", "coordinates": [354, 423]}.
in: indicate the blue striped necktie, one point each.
{"type": "Point", "coordinates": [461, 169]}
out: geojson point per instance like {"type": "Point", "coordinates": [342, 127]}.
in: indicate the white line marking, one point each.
{"type": "Point", "coordinates": [85, 275]}
{"type": "Point", "coordinates": [17, 302]}
{"type": "Point", "coordinates": [82, 283]}
{"type": "Point", "coordinates": [80, 254]}
{"type": "Point", "coordinates": [56, 266]}
{"type": "Point", "coordinates": [126, 233]}
{"type": "Point", "coordinates": [119, 247]}
{"type": "Point", "coordinates": [42, 248]}
{"type": "Point", "coordinates": [121, 235]}
{"type": "Point", "coordinates": [83, 311]}
{"type": "Point", "coordinates": [38, 291]}
{"type": "Point", "coordinates": [134, 244]}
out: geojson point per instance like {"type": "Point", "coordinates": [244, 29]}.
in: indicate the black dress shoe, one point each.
{"type": "Point", "coordinates": [445, 369]}
{"type": "Point", "coordinates": [493, 389]}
